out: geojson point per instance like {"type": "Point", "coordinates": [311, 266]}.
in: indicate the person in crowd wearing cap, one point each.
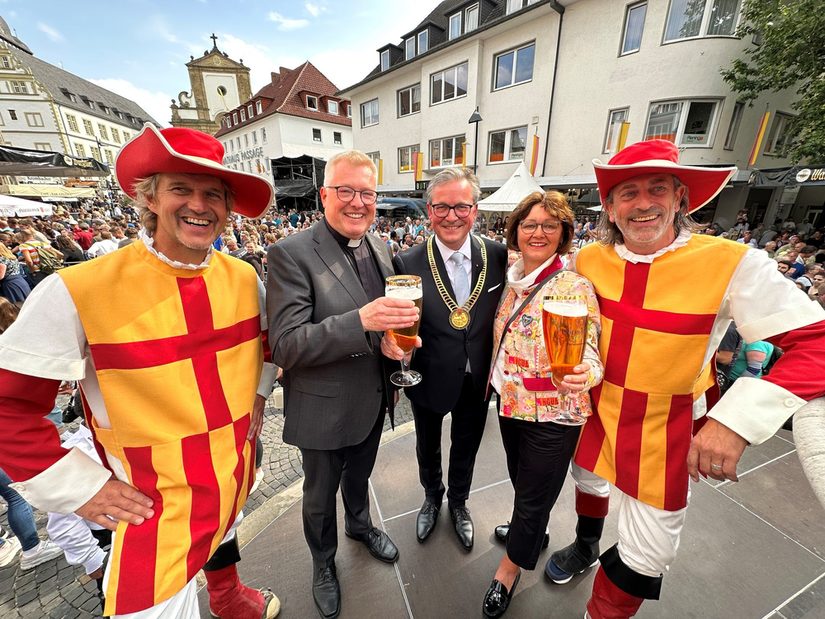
{"type": "Point", "coordinates": [463, 277]}
{"type": "Point", "coordinates": [665, 291]}
{"type": "Point", "coordinates": [325, 294]}
{"type": "Point", "coordinates": [168, 373]}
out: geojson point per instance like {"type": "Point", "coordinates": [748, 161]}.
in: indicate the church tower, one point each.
{"type": "Point", "coordinates": [217, 85]}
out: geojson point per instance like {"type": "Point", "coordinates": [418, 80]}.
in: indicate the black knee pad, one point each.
{"type": "Point", "coordinates": [639, 585]}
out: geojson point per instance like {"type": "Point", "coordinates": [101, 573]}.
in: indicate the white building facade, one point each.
{"type": "Point", "coordinates": [568, 72]}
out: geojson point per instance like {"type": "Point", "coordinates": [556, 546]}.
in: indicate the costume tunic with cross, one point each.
{"type": "Point", "coordinates": [181, 353]}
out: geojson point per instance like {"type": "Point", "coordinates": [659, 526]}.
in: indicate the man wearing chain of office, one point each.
{"type": "Point", "coordinates": [462, 277]}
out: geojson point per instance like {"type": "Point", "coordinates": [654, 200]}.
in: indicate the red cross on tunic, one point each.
{"type": "Point", "coordinates": [627, 315]}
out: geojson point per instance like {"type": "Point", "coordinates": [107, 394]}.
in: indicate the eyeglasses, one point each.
{"type": "Point", "coordinates": [347, 194]}
{"type": "Point", "coordinates": [530, 227]}
{"type": "Point", "coordinates": [461, 210]}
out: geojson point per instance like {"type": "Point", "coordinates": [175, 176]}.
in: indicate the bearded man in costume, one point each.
{"type": "Point", "coordinates": [667, 297]}
{"type": "Point", "coordinates": [164, 337]}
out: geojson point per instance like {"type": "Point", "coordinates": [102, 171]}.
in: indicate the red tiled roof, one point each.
{"type": "Point", "coordinates": [286, 94]}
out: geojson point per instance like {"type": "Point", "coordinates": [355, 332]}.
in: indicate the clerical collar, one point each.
{"type": "Point", "coordinates": [342, 240]}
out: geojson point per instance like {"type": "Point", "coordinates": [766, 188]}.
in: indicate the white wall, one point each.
{"type": "Point", "coordinates": [214, 101]}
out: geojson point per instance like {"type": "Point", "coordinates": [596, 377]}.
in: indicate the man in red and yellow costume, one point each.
{"type": "Point", "coordinates": [165, 339]}
{"type": "Point", "coordinates": [666, 297]}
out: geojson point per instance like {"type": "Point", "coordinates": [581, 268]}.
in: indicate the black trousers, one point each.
{"type": "Point", "coordinates": [325, 470]}
{"type": "Point", "coordinates": [467, 429]}
{"type": "Point", "coordinates": [538, 455]}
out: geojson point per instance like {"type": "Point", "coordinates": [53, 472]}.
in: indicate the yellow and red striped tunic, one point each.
{"type": "Point", "coordinates": [656, 323]}
{"type": "Point", "coordinates": [178, 358]}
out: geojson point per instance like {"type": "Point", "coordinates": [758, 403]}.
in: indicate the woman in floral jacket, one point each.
{"type": "Point", "coordinates": [538, 433]}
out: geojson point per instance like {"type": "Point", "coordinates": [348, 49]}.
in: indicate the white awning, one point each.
{"type": "Point", "coordinates": [18, 207]}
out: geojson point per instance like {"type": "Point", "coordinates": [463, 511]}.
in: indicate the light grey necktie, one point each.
{"type": "Point", "coordinates": [461, 283]}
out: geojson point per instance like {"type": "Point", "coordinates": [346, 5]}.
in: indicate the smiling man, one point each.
{"type": "Point", "coordinates": [667, 297]}
{"type": "Point", "coordinates": [168, 362]}
{"type": "Point", "coordinates": [326, 296]}
{"type": "Point", "coordinates": [463, 278]}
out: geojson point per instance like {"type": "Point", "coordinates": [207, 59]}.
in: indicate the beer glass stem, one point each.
{"type": "Point", "coordinates": [405, 364]}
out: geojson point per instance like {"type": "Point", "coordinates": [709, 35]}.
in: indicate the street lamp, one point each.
{"type": "Point", "coordinates": [474, 120]}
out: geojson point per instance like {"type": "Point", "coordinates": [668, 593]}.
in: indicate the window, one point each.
{"type": "Point", "coordinates": [249, 110]}
{"type": "Point", "coordinates": [109, 158]}
{"type": "Point", "coordinates": [103, 132]}
{"type": "Point", "coordinates": [243, 114]}
{"type": "Point", "coordinates": [779, 135]}
{"type": "Point", "coordinates": [336, 137]}
{"type": "Point", "coordinates": [96, 153]}
{"type": "Point", "coordinates": [332, 107]}
{"type": "Point", "coordinates": [516, 5]}
{"type": "Point", "coordinates": [447, 151]}
{"type": "Point", "coordinates": [316, 135]}
{"type": "Point", "coordinates": [423, 41]}
{"type": "Point", "coordinates": [246, 140]}
{"type": "Point", "coordinates": [692, 18]}
{"type": "Point", "coordinates": [13, 114]}
{"type": "Point", "coordinates": [409, 48]}
{"type": "Point", "coordinates": [263, 135]}
{"type": "Point", "coordinates": [634, 23]}
{"type": "Point", "coordinates": [471, 18]}
{"type": "Point", "coordinates": [507, 145]}
{"type": "Point", "coordinates": [88, 102]}
{"type": "Point", "coordinates": [234, 118]}
{"type": "Point", "coordinates": [406, 158]}
{"type": "Point", "coordinates": [126, 136]}
{"type": "Point", "coordinates": [259, 107]}
{"type": "Point", "coordinates": [103, 108]}
{"type": "Point", "coordinates": [87, 127]}
{"type": "Point", "coordinates": [615, 118]}
{"type": "Point", "coordinates": [369, 113]}
{"type": "Point", "coordinates": [42, 146]}
{"type": "Point", "coordinates": [5, 62]}
{"type": "Point", "coordinates": [80, 150]}
{"type": "Point", "coordinates": [448, 84]}
{"type": "Point", "coordinates": [515, 66]}
{"type": "Point", "coordinates": [735, 121]}
{"type": "Point", "coordinates": [686, 123]}
{"type": "Point", "coordinates": [375, 156]}
{"type": "Point", "coordinates": [385, 60]}
{"type": "Point", "coordinates": [238, 142]}
{"type": "Point", "coordinates": [454, 30]}
{"type": "Point", "coordinates": [312, 103]}
{"type": "Point", "coordinates": [34, 119]}
{"type": "Point", "coordinates": [19, 87]}
{"type": "Point", "coordinates": [254, 138]}
{"type": "Point", "coordinates": [349, 111]}
{"type": "Point", "coordinates": [72, 120]}
{"type": "Point", "coordinates": [409, 100]}
{"type": "Point", "coordinates": [115, 135]}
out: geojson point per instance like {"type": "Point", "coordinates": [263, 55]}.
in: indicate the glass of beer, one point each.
{"type": "Point", "coordinates": [564, 322]}
{"type": "Point", "coordinates": [406, 287]}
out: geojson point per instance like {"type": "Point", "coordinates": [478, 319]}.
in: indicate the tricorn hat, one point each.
{"type": "Point", "coordinates": [661, 156]}
{"type": "Point", "coordinates": [177, 150]}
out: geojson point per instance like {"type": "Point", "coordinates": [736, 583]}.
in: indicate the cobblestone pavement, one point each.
{"type": "Point", "coordinates": [61, 591]}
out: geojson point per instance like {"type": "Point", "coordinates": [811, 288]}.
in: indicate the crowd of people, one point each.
{"type": "Point", "coordinates": [175, 361]}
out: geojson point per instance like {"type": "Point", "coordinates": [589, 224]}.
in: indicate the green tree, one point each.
{"type": "Point", "coordinates": [791, 55]}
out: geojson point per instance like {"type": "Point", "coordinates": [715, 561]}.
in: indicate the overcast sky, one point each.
{"type": "Point", "coordinates": [139, 48]}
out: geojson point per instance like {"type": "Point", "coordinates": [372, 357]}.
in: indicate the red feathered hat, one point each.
{"type": "Point", "coordinates": [661, 156]}
{"type": "Point", "coordinates": [186, 151]}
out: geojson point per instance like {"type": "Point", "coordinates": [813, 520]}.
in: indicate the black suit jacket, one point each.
{"type": "Point", "coordinates": [334, 372]}
{"type": "Point", "coordinates": [442, 359]}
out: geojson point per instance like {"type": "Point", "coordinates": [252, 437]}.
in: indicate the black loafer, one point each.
{"type": "Point", "coordinates": [425, 522]}
{"type": "Point", "coordinates": [463, 525]}
{"type": "Point", "coordinates": [503, 530]}
{"type": "Point", "coordinates": [498, 598]}
{"type": "Point", "coordinates": [379, 544]}
{"type": "Point", "coordinates": [325, 591]}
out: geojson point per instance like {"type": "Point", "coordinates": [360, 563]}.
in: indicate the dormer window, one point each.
{"type": "Point", "coordinates": [88, 102]}
{"type": "Point", "coordinates": [332, 107]}
{"type": "Point", "coordinates": [312, 103]}
{"type": "Point", "coordinates": [259, 108]}
{"type": "Point", "coordinates": [234, 118]}
{"type": "Point", "coordinates": [349, 111]}
{"type": "Point", "coordinates": [249, 110]}
{"type": "Point", "coordinates": [409, 48]}
{"type": "Point", "coordinates": [385, 60]}
{"type": "Point", "coordinates": [517, 5]}
{"type": "Point", "coordinates": [471, 18]}
{"type": "Point", "coordinates": [423, 41]}
{"type": "Point", "coordinates": [243, 114]}
{"type": "Point", "coordinates": [455, 26]}
{"type": "Point", "coordinates": [103, 108]}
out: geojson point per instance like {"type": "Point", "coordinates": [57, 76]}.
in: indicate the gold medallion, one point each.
{"type": "Point", "coordinates": [459, 318]}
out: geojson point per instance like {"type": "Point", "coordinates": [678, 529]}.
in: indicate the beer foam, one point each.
{"type": "Point", "coordinates": [571, 310]}
{"type": "Point", "coordinates": [410, 293]}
